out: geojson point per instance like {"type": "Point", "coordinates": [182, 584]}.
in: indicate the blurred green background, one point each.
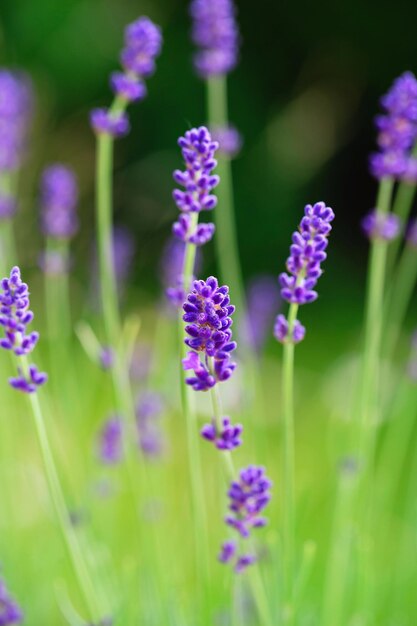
{"type": "Point", "coordinates": [303, 96]}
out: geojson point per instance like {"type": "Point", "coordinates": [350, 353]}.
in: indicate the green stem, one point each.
{"type": "Point", "coordinates": [226, 238]}
{"type": "Point", "coordinates": [288, 468]}
{"type": "Point", "coordinates": [402, 207]}
{"type": "Point", "coordinates": [67, 530]}
{"type": "Point", "coordinates": [403, 284]}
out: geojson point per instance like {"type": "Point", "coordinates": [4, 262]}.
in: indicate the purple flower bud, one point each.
{"type": "Point", "coordinates": [243, 562]}
{"type": "Point", "coordinates": [229, 140]}
{"type": "Point", "coordinates": [16, 102]}
{"type": "Point", "coordinates": [248, 497]}
{"type": "Point", "coordinates": [116, 125]}
{"type": "Point", "coordinates": [216, 34]}
{"type": "Point", "coordinates": [59, 196]}
{"type": "Point", "coordinates": [10, 612]}
{"type": "Point", "coordinates": [127, 87]}
{"type": "Point", "coordinates": [306, 255]}
{"type": "Point", "coordinates": [281, 331]}
{"type": "Point", "coordinates": [143, 42]}
{"type": "Point", "coordinates": [227, 552]}
{"type": "Point", "coordinates": [227, 438]}
{"type": "Point", "coordinates": [397, 130]}
{"type": "Point", "coordinates": [110, 441]}
{"type": "Point", "coordinates": [148, 411]}
{"type": "Point", "coordinates": [376, 226]}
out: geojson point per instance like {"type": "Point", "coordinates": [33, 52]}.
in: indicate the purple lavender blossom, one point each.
{"type": "Point", "coordinates": [227, 552]}
{"type": "Point", "coordinates": [202, 234]}
{"type": "Point", "coordinates": [243, 562]}
{"type": "Point", "coordinates": [54, 262]}
{"type": "Point", "coordinates": [377, 226]}
{"type": "Point", "coordinates": [248, 497]}
{"type": "Point", "coordinates": [216, 34]}
{"type": "Point", "coordinates": [397, 130]}
{"type": "Point", "coordinates": [10, 612]}
{"type": "Point", "coordinates": [148, 410]}
{"type": "Point", "coordinates": [15, 316]}
{"type": "Point", "coordinates": [282, 334]}
{"type": "Point", "coordinates": [142, 44]}
{"type": "Point", "coordinates": [110, 441]}
{"type": "Point", "coordinates": [229, 140]}
{"type": "Point", "coordinates": [104, 122]}
{"type": "Point", "coordinates": [106, 358]}
{"type": "Point", "coordinates": [16, 103]}
{"type": "Point", "coordinates": [263, 300]}
{"type": "Point", "coordinates": [226, 438]}
{"type": "Point", "coordinates": [198, 151]}
{"type": "Point", "coordinates": [208, 316]}
{"type": "Point", "coordinates": [59, 196]}
{"type": "Point", "coordinates": [306, 255]}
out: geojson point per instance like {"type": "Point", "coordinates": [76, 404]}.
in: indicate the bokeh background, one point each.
{"type": "Point", "coordinates": [303, 96]}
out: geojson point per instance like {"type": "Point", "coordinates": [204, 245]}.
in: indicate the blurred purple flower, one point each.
{"type": "Point", "coordinates": [10, 612]}
{"type": "Point", "coordinates": [110, 441]}
{"type": "Point", "coordinates": [263, 300]}
{"type": "Point", "coordinates": [148, 411]}
{"type": "Point", "coordinates": [59, 196]}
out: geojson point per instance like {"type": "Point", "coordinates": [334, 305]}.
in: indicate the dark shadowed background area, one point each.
{"type": "Point", "coordinates": [304, 96]}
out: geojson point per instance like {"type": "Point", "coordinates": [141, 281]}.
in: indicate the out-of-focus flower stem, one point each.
{"type": "Point", "coordinates": [68, 533]}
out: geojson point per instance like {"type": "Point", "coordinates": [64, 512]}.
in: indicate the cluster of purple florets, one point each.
{"type": "Point", "coordinates": [15, 316]}
{"type": "Point", "coordinates": [142, 44]}
{"type": "Point", "coordinates": [216, 34]}
{"type": "Point", "coordinates": [397, 131]}
{"type": "Point", "coordinates": [229, 140]}
{"type": "Point", "coordinates": [248, 497]}
{"type": "Point", "coordinates": [207, 312]}
{"type": "Point", "coordinates": [227, 437]}
{"type": "Point", "coordinates": [15, 114]}
{"type": "Point", "coordinates": [198, 150]}
{"type": "Point", "coordinates": [307, 252]}
{"type": "Point", "coordinates": [377, 226]}
{"type": "Point", "coordinates": [59, 196]}
{"type": "Point", "coordinates": [10, 612]}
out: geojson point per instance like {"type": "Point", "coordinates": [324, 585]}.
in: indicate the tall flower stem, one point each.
{"type": "Point", "coordinates": [403, 284]}
{"type": "Point", "coordinates": [257, 584]}
{"type": "Point", "coordinates": [194, 459]}
{"type": "Point", "coordinates": [288, 466]}
{"type": "Point", "coordinates": [67, 530]}
{"type": "Point", "coordinates": [373, 322]}
{"type": "Point", "coordinates": [108, 286]}
{"type": "Point", "coordinates": [226, 238]}
{"type": "Point", "coordinates": [402, 205]}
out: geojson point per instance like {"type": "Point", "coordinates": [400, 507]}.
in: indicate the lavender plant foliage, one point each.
{"type": "Point", "coordinates": [207, 313]}
{"type": "Point", "coordinates": [306, 255]}
{"type": "Point", "coordinates": [59, 196]}
{"type": "Point", "coordinates": [110, 441]}
{"type": "Point", "coordinates": [10, 612]}
{"type": "Point", "coordinates": [142, 45]}
{"type": "Point", "coordinates": [263, 300]}
{"type": "Point", "coordinates": [397, 131]}
{"type": "Point", "coordinates": [198, 150]}
{"type": "Point", "coordinates": [227, 437]}
{"type": "Point", "coordinates": [216, 34]}
{"type": "Point", "coordinates": [15, 316]}
{"type": "Point", "coordinates": [376, 226]}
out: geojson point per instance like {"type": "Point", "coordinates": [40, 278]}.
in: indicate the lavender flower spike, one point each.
{"type": "Point", "coordinates": [248, 497]}
{"type": "Point", "coordinates": [142, 44]}
{"type": "Point", "coordinates": [397, 131]}
{"type": "Point", "coordinates": [59, 196]}
{"type": "Point", "coordinates": [15, 316]}
{"type": "Point", "coordinates": [376, 226]}
{"type": "Point", "coordinates": [216, 34]}
{"type": "Point", "coordinates": [207, 312]}
{"type": "Point", "coordinates": [10, 612]}
{"type": "Point", "coordinates": [227, 438]}
{"type": "Point", "coordinates": [306, 255]}
{"type": "Point", "coordinates": [110, 441]}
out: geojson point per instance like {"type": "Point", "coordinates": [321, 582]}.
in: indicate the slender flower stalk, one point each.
{"type": "Point", "coordinates": [15, 317]}
{"type": "Point", "coordinates": [307, 252]}
{"type": "Point", "coordinates": [142, 44]}
{"type": "Point", "coordinates": [215, 33]}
